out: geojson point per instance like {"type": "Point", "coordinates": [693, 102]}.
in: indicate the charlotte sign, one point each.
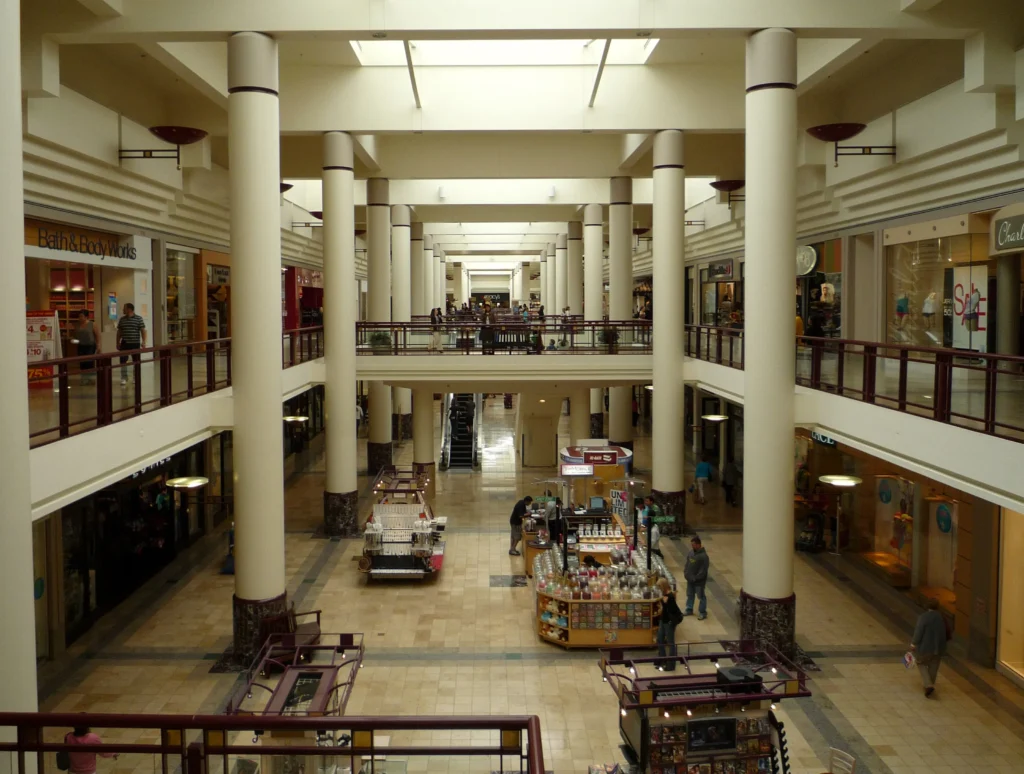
{"type": "Point", "coordinates": [1007, 234]}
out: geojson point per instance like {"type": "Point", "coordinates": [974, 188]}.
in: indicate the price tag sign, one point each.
{"type": "Point", "coordinates": [604, 457]}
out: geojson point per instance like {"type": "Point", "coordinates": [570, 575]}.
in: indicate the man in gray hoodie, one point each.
{"type": "Point", "coordinates": [929, 644]}
{"type": "Point", "coordinates": [696, 574]}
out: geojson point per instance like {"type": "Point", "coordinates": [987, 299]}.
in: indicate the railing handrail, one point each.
{"type": "Point", "coordinates": [724, 330]}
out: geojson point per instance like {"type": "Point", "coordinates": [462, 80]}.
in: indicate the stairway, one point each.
{"type": "Point", "coordinates": [462, 436]}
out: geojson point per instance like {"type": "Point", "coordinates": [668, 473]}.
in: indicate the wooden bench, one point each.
{"type": "Point", "coordinates": [289, 633]}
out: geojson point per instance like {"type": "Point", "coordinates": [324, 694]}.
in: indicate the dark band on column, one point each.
{"type": "Point", "coordinates": [589, 225]}
{"type": "Point", "coordinates": [615, 204]}
{"type": "Point", "coordinates": [257, 89]}
{"type": "Point", "coordinates": [763, 86]}
{"type": "Point", "coordinates": [377, 204]}
{"type": "Point", "coordinates": [575, 239]}
{"type": "Point", "coordinates": [343, 169]}
{"type": "Point", "coordinates": [670, 166]}
{"type": "Point", "coordinates": [401, 225]}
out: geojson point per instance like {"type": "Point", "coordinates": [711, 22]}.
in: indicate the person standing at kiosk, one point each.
{"type": "Point", "coordinates": [516, 523]}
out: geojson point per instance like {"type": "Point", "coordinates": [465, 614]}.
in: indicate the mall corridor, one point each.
{"type": "Point", "coordinates": [466, 642]}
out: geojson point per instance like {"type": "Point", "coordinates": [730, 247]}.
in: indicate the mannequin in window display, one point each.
{"type": "Point", "coordinates": [971, 307]}
{"type": "Point", "coordinates": [902, 307]}
{"type": "Point", "coordinates": [928, 309]}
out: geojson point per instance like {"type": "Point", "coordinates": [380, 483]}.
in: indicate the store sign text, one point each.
{"type": "Point", "coordinates": [824, 440]}
{"type": "Point", "coordinates": [80, 243]}
{"type": "Point", "coordinates": [1010, 233]}
{"type": "Point", "coordinates": [153, 466]}
{"type": "Point", "coordinates": [577, 470]}
{"type": "Point", "coordinates": [600, 457]}
{"type": "Point", "coordinates": [720, 270]}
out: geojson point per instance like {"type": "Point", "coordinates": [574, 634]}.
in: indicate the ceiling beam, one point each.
{"type": "Point", "coordinates": [634, 147]}
{"type": "Point", "coordinates": [412, 73]}
{"type": "Point", "coordinates": [177, 20]}
{"type": "Point", "coordinates": [600, 72]}
{"type": "Point", "coordinates": [106, 9]}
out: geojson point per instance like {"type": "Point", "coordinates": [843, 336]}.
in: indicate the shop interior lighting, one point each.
{"type": "Point", "coordinates": [295, 419]}
{"type": "Point", "coordinates": [689, 713]}
{"type": "Point", "coordinates": [840, 480]}
{"type": "Point", "coordinates": [666, 715]}
{"type": "Point", "coordinates": [649, 387]}
{"type": "Point", "coordinates": [188, 482]}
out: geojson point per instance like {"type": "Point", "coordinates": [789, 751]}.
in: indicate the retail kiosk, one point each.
{"type": "Point", "coordinates": [403, 538]}
{"type": "Point", "coordinates": [714, 714]}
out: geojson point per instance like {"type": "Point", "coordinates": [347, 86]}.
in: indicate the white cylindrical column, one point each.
{"type": "Point", "coordinates": [767, 602]}
{"type": "Point", "coordinates": [441, 281]}
{"type": "Point", "coordinates": [668, 412]}
{"type": "Point", "coordinates": [340, 310]}
{"type": "Point", "coordinates": [1008, 304]}
{"type": "Point", "coordinates": [620, 296]}
{"type": "Point", "coordinates": [17, 634]}
{"type": "Point", "coordinates": [561, 273]}
{"type": "Point", "coordinates": [574, 268]}
{"type": "Point", "coordinates": [401, 309]}
{"type": "Point", "coordinates": [551, 304]}
{"type": "Point", "coordinates": [378, 275]}
{"type": "Point", "coordinates": [593, 290]}
{"type": "Point", "coordinates": [419, 306]}
{"type": "Point", "coordinates": [543, 278]}
{"type": "Point", "coordinates": [429, 275]}
{"type": "Point", "coordinates": [255, 179]}
{"type": "Point", "coordinates": [423, 436]}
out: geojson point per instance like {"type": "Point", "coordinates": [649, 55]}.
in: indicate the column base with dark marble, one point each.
{"type": "Point", "coordinates": [246, 617]}
{"type": "Point", "coordinates": [597, 425]}
{"type": "Point", "coordinates": [671, 504]}
{"type": "Point", "coordinates": [378, 455]}
{"type": "Point", "coordinates": [428, 470]}
{"type": "Point", "coordinates": [624, 444]}
{"type": "Point", "coordinates": [341, 514]}
{"type": "Point", "coordinates": [769, 622]}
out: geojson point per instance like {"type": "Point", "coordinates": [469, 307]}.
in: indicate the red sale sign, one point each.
{"type": "Point", "coordinates": [606, 457]}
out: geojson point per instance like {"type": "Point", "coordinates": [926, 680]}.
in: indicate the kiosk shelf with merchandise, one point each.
{"type": "Point", "coordinates": [403, 538]}
{"type": "Point", "coordinates": [714, 714]}
{"type": "Point", "coordinates": [593, 606]}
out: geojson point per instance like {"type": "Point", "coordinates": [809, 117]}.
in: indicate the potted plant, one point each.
{"type": "Point", "coordinates": [380, 342]}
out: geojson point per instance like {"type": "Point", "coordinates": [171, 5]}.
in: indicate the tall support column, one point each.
{"type": "Point", "coordinates": [550, 303]}
{"type": "Point", "coordinates": [669, 415]}
{"type": "Point", "coordinates": [340, 488]}
{"type": "Point", "coordinates": [401, 309]}
{"type": "Point", "coordinates": [593, 290]}
{"type": "Point", "coordinates": [441, 281]}
{"type": "Point", "coordinates": [419, 301]}
{"type": "Point", "coordinates": [429, 274]}
{"type": "Point", "coordinates": [17, 635]}
{"type": "Point", "coordinates": [1008, 304]}
{"type": "Point", "coordinates": [561, 273]}
{"type": "Point", "coordinates": [620, 296]}
{"type": "Point", "coordinates": [574, 268]}
{"type": "Point", "coordinates": [544, 280]}
{"type": "Point", "coordinates": [423, 436]}
{"type": "Point", "coordinates": [579, 415]}
{"type": "Point", "coordinates": [378, 274]}
{"type": "Point", "coordinates": [767, 601]}
{"type": "Point", "coordinates": [255, 179]}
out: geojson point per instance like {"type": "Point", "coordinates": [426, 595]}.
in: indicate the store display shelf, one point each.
{"type": "Point", "coordinates": [598, 601]}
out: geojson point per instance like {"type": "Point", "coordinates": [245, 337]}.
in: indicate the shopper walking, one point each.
{"type": "Point", "coordinates": [702, 475]}
{"type": "Point", "coordinates": [131, 334]}
{"type": "Point", "coordinates": [929, 644]}
{"type": "Point", "coordinates": [436, 321]}
{"type": "Point", "coordinates": [671, 617]}
{"type": "Point", "coordinates": [85, 334]}
{"type": "Point", "coordinates": [83, 762]}
{"type": "Point", "coordinates": [654, 536]}
{"type": "Point", "coordinates": [516, 523]}
{"type": "Point", "coordinates": [696, 574]}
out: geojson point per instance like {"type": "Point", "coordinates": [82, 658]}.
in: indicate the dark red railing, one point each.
{"type": "Point", "coordinates": [975, 390]}
{"type": "Point", "coordinates": [74, 394]}
{"type": "Point", "coordinates": [555, 335]}
{"type": "Point", "coordinates": [205, 744]}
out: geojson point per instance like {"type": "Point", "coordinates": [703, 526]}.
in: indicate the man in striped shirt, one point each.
{"type": "Point", "coordinates": [131, 334]}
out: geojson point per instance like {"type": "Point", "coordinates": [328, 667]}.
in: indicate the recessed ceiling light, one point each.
{"type": "Point", "coordinates": [840, 480]}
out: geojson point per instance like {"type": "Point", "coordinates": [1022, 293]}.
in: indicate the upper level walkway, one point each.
{"type": "Point", "coordinates": [954, 416]}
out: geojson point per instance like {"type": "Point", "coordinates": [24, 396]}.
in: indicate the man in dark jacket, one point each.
{"type": "Point", "coordinates": [516, 523]}
{"type": "Point", "coordinates": [696, 574]}
{"type": "Point", "coordinates": [929, 644]}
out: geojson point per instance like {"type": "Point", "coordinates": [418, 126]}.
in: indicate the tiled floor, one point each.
{"type": "Point", "coordinates": [462, 645]}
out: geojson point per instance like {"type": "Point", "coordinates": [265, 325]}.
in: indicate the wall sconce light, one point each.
{"type": "Point", "coordinates": [175, 135]}
{"type": "Point", "coordinates": [838, 133]}
{"type": "Point", "coordinates": [729, 188]}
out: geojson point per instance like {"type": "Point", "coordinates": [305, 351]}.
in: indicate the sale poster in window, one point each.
{"type": "Point", "coordinates": [970, 307]}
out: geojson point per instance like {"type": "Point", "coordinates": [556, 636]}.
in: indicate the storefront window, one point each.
{"type": "Point", "coordinates": [181, 295]}
{"type": "Point", "coordinates": [819, 294]}
{"type": "Point", "coordinates": [1011, 593]}
{"type": "Point", "coordinates": [721, 295]}
{"type": "Point", "coordinates": [937, 293]}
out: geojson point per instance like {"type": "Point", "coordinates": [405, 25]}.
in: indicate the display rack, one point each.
{"type": "Point", "coordinates": [403, 538]}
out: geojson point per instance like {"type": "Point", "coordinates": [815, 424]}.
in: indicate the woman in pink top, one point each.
{"type": "Point", "coordinates": [84, 762]}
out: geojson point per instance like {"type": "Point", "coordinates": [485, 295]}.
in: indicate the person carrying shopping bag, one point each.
{"type": "Point", "coordinates": [671, 617]}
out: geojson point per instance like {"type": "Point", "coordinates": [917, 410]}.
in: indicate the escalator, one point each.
{"type": "Point", "coordinates": [460, 448]}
